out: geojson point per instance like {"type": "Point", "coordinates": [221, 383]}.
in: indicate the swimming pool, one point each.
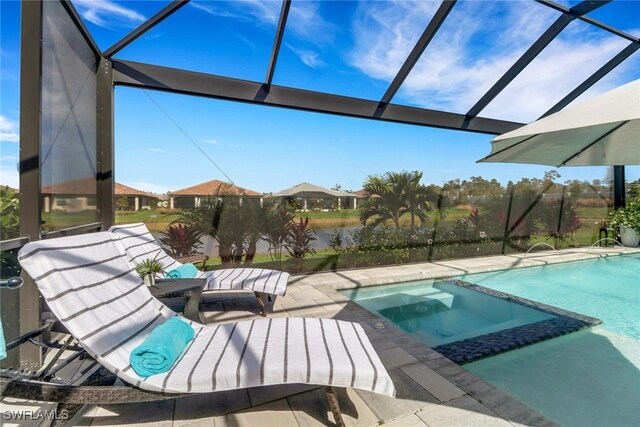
{"type": "Point", "coordinates": [588, 378]}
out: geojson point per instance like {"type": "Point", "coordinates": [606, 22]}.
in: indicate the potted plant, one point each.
{"type": "Point", "coordinates": [148, 269]}
{"type": "Point", "coordinates": [628, 219]}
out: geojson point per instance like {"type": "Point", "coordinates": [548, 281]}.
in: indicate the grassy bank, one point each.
{"type": "Point", "coordinates": [159, 220]}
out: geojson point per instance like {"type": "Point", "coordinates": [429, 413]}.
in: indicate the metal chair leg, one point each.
{"type": "Point", "coordinates": [262, 302]}
{"type": "Point", "coordinates": [333, 405]}
{"type": "Point", "coordinates": [64, 412]}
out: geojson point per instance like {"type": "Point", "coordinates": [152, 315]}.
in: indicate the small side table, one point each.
{"type": "Point", "coordinates": [607, 232]}
{"type": "Point", "coordinates": [191, 289]}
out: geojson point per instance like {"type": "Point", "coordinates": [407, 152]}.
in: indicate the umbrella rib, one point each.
{"type": "Point", "coordinates": [593, 143]}
{"type": "Point", "coordinates": [509, 147]}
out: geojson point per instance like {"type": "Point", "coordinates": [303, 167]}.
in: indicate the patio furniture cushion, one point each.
{"type": "Point", "coordinates": [140, 244]}
{"type": "Point", "coordinates": [94, 291]}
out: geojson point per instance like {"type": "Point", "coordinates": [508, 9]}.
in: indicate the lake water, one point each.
{"type": "Point", "coordinates": [323, 237]}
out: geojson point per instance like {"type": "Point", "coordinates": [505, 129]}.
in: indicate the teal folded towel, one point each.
{"type": "Point", "coordinates": [185, 271]}
{"type": "Point", "coordinates": [3, 350]}
{"type": "Point", "coordinates": [160, 350]}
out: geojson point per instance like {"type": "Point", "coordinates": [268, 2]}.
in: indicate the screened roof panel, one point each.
{"type": "Point", "coordinates": [626, 72]}
{"type": "Point", "coordinates": [231, 39]}
{"type": "Point", "coordinates": [366, 49]}
{"type": "Point", "coordinates": [569, 3]}
{"type": "Point", "coordinates": [621, 14]}
{"type": "Point", "coordinates": [349, 48]}
{"type": "Point", "coordinates": [475, 46]}
{"type": "Point", "coordinates": [109, 21]}
{"type": "Point", "coordinates": [579, 51]}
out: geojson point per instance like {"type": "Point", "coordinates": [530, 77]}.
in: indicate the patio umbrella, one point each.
{"type": "Point", "coordinates": [603, 131]}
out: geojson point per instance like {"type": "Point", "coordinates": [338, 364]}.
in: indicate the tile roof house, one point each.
{"type": "Point", "coordinates": [190, 197]}
{"type": "Point", "coordinates": [70, 196]}
{"type": "Point", "coordinates": [132, 199]}
{"type": "Point", "coordinates": [309, 196]}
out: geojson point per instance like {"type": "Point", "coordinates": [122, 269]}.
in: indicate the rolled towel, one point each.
{"type": "Point", "coordinates": [185, 271]}
{"type": "Point", "coordinates": [3, 350]}
{"type": "Point", "coordinates": [160, 350]}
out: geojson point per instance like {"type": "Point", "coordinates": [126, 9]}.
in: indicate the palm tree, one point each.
{"type": "Point", "coordinates": [393, 195]}
{"type": "Point", "coordinates": [233, 221]}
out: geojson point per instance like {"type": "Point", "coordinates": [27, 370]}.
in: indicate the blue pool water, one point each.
{"type": "Point", "coordinates": [588, 378]}
{"type": "Point", "coordinates": [607, 288]}
{"type": "Point", "coordinates": [438, 313]}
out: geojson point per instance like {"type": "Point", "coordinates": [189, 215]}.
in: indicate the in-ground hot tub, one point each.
{"type": "Point", "coordinates": [464, 321]}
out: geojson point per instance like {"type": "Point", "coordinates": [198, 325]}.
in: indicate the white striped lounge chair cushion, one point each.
{"type": "Point", "coordinates": [89, 285]}
{"type": "Point", "coordinates": [140, 244]}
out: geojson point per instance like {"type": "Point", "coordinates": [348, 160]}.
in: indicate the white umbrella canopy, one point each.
{"type": "Point", "coordinates": [603, 131]}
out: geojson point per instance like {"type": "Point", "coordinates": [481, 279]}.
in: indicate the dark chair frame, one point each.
{"type": "Point", "coordinates": [98, 389]}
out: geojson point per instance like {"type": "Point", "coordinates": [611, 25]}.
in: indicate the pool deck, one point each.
{"type": "Point", "coordinates": [431, 390]}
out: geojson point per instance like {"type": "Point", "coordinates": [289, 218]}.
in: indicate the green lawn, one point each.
{"type": "Point", "coordinates": [57, 220]}
{"type": "Point", "coordinates": [155, 220]}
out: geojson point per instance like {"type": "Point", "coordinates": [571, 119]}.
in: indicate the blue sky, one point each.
{"type": "Point", "coordinates": [348, 48]}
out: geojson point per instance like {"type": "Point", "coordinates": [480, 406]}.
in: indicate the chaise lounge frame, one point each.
{"type": "Point", "coordinates": [140, 242]}
{"type": "Point", "coordinates": [98, 389]}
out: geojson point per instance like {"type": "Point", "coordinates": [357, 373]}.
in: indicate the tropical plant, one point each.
{"type": "Point", "coordinates": [393, 195]}
{"type": "Point", "coordinates": [633, 188]}
{"type": "Point", "coordinates": [9, 229]}
{"type": "Point", "coordinates": [628, 216]}
{"type": "Point", "coordinates": [299, 242]}
{"type": "Point", "coordinates": [277, 225]}
{"type": "Point", "coordinates": [149, 268]}
{"type": "Point", "coordinates": [9, 213]}
{"type": "Point", "coordinates": [122, 203]}
{"type": "Point", "coordinates": [182, 240]}
{"type": "Point", "coordinates": [559, 221]}
{"type": "Point", "coordinates": [234, 221]}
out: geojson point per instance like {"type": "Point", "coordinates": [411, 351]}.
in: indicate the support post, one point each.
{"type": "Point", "coordinates": [27, 307]}
{"type": "Point", "coordinates": [506, 223]}
{"type": "Point", "coordinates": [105, 143]}
{"type": "Point", "coordinates": [619, 199]}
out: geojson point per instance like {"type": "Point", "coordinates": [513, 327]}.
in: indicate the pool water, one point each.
{"type": "Point", "coordinates": [439, 312]}
{"type": "Point", "coordinates": [606, 288]}
{"type": "Point", "coordinates": [588, 378]}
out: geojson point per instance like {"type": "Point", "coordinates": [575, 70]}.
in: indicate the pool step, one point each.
{"type": "Point", "coordinates": [417, 307]}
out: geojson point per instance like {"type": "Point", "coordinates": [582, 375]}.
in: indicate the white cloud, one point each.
{"type": "Point", "coordinates": [210, 141]}
{"type": "Point", "coordinates": [158, 150]}
{"type": "Point", "coordinates": [211, 10]}
{"type": "Point", "coordinates": [384, 34]}
{"type": "Point", "coordinates": [105, 13]}
{"type": "Point", "coordinates": [557, 71]}
{"type": "Point", "coordinates": [265, 12]}
{"type": "Point", "coordinates": [9, 137]}
{"type": "Point", "coordinates": [306, 22]}
{"type": "Point", "coordinates": [308, 57]}
{"type": "Point", "coordinates": [472, 50]}
{"type": "Point", "coordinates": [455, 70]}
{"type": "Point", "coordinates": [8, 158]}
{"type": "Point", "coordinates": [8, 130]}
{"type": "Point", "coordinates": [304, 18]}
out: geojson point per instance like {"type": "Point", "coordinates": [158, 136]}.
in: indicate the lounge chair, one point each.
{"type": "Point", "coordinates": [90, 286]}
{"type": "Point", "coordinates": [265, 284]}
